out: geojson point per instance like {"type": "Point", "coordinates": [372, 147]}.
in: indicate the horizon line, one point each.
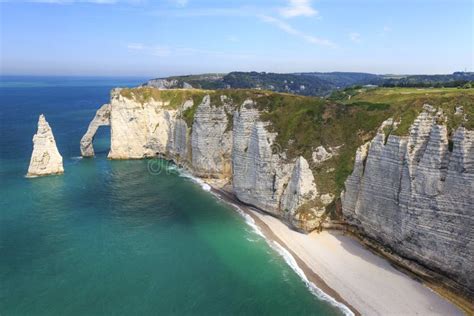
{"type": "Point", "coordinates": [206, 73]}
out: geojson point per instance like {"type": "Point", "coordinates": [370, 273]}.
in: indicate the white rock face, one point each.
{"type": "Point", "coordinates": [321, 155]}
{"type": "Point", "coordinates": [410, 193]}
{"type": "Point", "coordinates": [262, 177]}
{"type": "Point", "coordinates": [298, 202]}
{"type": "Point", "coordinates": [163, 83]}
{"type": "Point", "coordinates": [301, 188]}
{"type": "Point", "coordinates": [244, 120]}
{"type": "Point", "coordinates": [179, 147]}
{"type": "Point", "coordinates": [101, 118]}
{"type": "Point", "coordinates": [242, 151]}
{"type": "Point", "coordinates": [45, 159]}
{"type": "Point", "coordinates": [211, 141]}
{"type": "Point", "coordinates": [259, 175]}
{"type": "Point", "coordinates": [327, 198]}
{"type": "Point", "coordinates": [417, 197]}
{"type": "Point", "coordinates": [139, 130]}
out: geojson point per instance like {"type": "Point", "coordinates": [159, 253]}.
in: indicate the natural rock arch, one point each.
{"type": "Point", "coordinates": [101, 118]}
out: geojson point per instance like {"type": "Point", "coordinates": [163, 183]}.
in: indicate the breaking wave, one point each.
{"type": "Point", "coordinates": [289, 259]}
{"type": "Point", "coordinates": [185, 174]}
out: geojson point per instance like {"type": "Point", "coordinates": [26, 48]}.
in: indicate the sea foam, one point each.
{"type": "Point", "coordinates": [184, 174]}
{"type": "Point", "coordinates": [289, 259]}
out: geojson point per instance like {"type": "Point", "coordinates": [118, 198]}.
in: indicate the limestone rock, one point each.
{"type": "Point", "coordinates": [139, 130]}
{"type": "Point", "coordinates": [301, 187]}
{"type": "Point", "coordinates": [179, 142]}
{"type": "Point", "coordinates": [259, 174]}
{"type": "Point", "coordinates": [101, 118]}
{"type": "Point", "coordinates": [321, 154]}
{"type": "Point", "coordinates": [298, 202]}
{"type": "Point", "coordinates": [415, 196]}
{"type": "Point", "coordinates": [211, 141]}
{"type": "Point", "coordinates": [163, 83]}
{"type": "Point", "coordinates": [187, 86]}
{"type": "Point", "coordinates": [327, 198]}
{"type": "Point", "coordinates": [45, 159]}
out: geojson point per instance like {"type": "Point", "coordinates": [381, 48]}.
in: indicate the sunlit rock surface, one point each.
{"type": "Point", "coordinates": [416, 196]}
{"type": "Point", "coordinates": [45, 158]}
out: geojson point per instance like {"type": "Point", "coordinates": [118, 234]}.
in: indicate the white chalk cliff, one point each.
{"type": "Point", "coordinates": [240, 150]}
{"type": "Point", "coordinates": [415, 195]}
{"type": "Point", "coordinates": [101, 118]}
{"type": "Point", "coordinates": [45, 158]}
{"type": "Point", "coordinates": [211, 142]}
{"type": "Point", "coordinates": [412, 194]}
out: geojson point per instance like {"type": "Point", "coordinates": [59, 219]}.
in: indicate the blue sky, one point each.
{"type": "Point", "coordinates": [159, 38]}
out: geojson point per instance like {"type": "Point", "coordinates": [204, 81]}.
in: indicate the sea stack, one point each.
{"type": "Point", "coordinates": [45, 159]}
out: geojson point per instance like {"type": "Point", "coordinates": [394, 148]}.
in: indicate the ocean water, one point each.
{"type": "Point", "coordinates": [113, 238]}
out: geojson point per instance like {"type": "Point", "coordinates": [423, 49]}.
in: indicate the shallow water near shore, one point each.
{"type": "Point", "coordinates": [111, 237]}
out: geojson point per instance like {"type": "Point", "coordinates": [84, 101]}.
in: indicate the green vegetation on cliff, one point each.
{"type": "Point", "coordinates": [305, 123]}
{"type": "Point", "coordinates": [172, 98]}
{"type": "Point", "coordinates": [407, 103]}
{"type": "Point", "coordinates": [340, 124]}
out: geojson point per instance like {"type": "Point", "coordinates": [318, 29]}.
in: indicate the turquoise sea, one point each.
{"type": "Point", "coordinates": [112, 238]}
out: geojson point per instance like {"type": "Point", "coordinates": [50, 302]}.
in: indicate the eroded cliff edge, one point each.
{"type": "Point", "coordinates": [415, 195]}
{"type": "Point", "coordinates": [408, 187]}
{"type": "Point", "coordinates": [215, 137]}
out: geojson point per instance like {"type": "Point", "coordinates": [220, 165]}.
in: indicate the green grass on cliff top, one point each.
{"type": "Point", "coordinates": [408, 103]}
{"type": "Point", "coordinates": [304, 123]}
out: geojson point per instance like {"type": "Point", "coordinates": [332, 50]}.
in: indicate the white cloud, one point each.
{"type": "Point", "coordinates": [298, 8]}
{"type": "Point", "coordinates": [204, 12]}
{"type": "Point", "coordinates": [386, 30]}
{"type": "Point", "coordinates": [355, 37]}
{"type": "Point", "coordinates": [232, 38]}
{"type": "Point", "coordinates": [181, 3]}
{"type": "Point", "coordinates": [136, 46]}
{"type": "Point", "coordinates": [282, 25]}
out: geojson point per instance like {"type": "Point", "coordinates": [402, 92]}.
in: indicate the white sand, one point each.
{"type": "Point", "coordinates": [366, 281]}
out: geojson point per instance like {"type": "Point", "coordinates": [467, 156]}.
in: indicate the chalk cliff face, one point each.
{"type": "Point", "coordinates": [211, 141]}
{"type": "Point", "coordinates": [101, 118]}
{"type": "Point", "coordinates": [168, 84]}
{"type": "Point", "coordinates": [226, 141]}
{"type": "Point", "coordinates": [414, 194]}
{"type": "Point", "coordinates": [45, 159]}
{"type": "Point", "coordinates": [179, 147]}
{"type": "Point", "coordinates": [262, 176]}
{"type": "Point", "coordinates": [139, 130]}
{"type": "Point", "coordinates": [298, 197]}
{"type": "Point", "coordinates": [259, 173]}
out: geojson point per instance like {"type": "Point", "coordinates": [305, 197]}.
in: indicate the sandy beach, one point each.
{"type": "Point", "coordinates": [367, 282]}
{"type": "Point", "coordinates": [344, 269]}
